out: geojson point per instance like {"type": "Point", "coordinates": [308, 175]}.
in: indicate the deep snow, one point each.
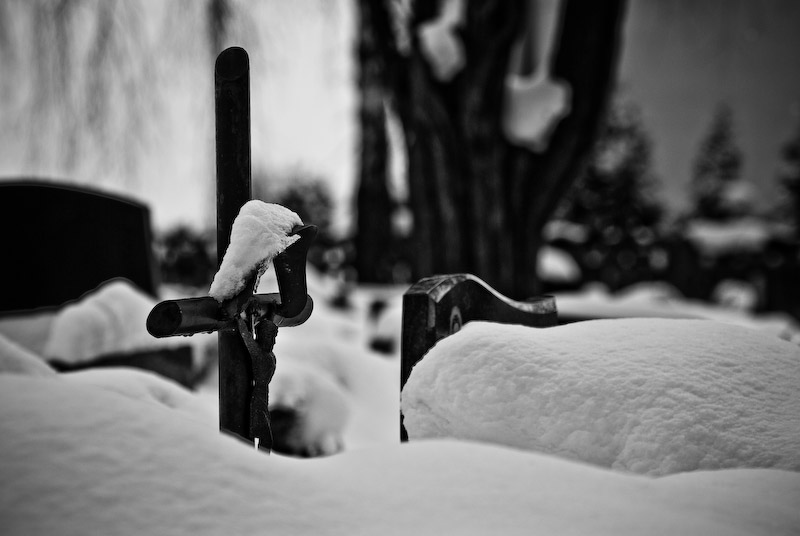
{"type": "Point", "coordinates": [652, 396]}
{"type": "Point", "coordinates": [127, 452]}
{"type": "Point", "coordinates": [84, 459]}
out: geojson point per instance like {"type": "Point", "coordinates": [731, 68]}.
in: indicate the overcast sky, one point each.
{"type": "Point", "coordinates": [680, 60]}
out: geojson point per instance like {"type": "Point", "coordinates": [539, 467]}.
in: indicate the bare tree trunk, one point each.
{"type": "Point", "coordinates": [587, 60]}
{"type": "Point", "coordinates": [373, 238]}
{"type": "Point", "coordinates": [480, 203]}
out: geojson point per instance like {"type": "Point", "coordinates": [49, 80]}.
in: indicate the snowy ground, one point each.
{"type": "Point", "coordinates": [650, 396]}
{"type": "Point", "coordinates": [124, 452]}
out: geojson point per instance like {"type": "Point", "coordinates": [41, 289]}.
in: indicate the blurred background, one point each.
{"type": "Point", "coordinates": [673, 155]}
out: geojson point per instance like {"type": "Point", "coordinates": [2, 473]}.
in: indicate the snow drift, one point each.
{"type": "Point", "coordinates": [80, 459]}
{"type": "Point", "coordinates": [109, 319]}
{"type": "Point", "coordinates": [643, 395]}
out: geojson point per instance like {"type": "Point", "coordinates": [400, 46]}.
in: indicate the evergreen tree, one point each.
{"type": "Point", "coordinates": [614, 200]}
{"type": "Point", "coordinates": [717, 165]}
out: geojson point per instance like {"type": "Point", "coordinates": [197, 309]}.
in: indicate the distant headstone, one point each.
{"type": "Point", "coordinates": [59, 242]}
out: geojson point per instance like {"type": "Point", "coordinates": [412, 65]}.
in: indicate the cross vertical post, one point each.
{"type": "Point", "coordinates": [247, 323]}
{"type": "Point", "coordinates": [232, 119]}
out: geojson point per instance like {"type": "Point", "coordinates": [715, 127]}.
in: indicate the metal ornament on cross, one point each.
{"type": "Point", "coordinates": [247, 323]}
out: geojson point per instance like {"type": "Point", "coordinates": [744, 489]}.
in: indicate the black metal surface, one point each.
{"type": "Point", "coordinates": [204, 315]}
{"type": "Point", "coordinates": [60, 242]}
{"type": "Point", "coordinates": [264, 364]}
{"type": "Point", "coordinates": [290, 270]}
{"type": "Point", "coordinates": [232, 120]}
{"type": "Point", "coordinates": [187, 317]}
{"type": "Point", "coordinates": [199, 315]}
{"type": "Point", "coordinates": [232, 113]}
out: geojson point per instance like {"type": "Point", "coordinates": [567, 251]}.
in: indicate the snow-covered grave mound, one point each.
{"type": "Point", "coordinates": [17, 359]}
{"type": "Point", "coordinates": [77, 458]}
{"type": "Point", "coordinates": [110, 320]}
{"type": "Point", "coordinates": [653, 396]}
{"type": "Point", "coordinates": [662, 300]}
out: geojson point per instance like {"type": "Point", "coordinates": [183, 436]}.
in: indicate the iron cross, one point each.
{"type": "Point", "coordinates": [246, 324]}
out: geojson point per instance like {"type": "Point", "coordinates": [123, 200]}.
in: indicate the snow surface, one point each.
{"type": "Point", "coordinates": [120, 451]}
{"type": "Point", "coordinates": [260, 231]}
{"type": "Point", "coordinates": [718, 238]}
{"type": "Point", "coordinates": [16, 359]}
{"type": "Point", "coordinates": [109, 319]}
{"type": "Point", "coordinates": [83, 459]}
{"type": "Point", "coordinates": [346, 395]}
{"type": "Point", "coordinates": [642, 395]}
{"type": "Point", "coordinates": [339, 392]}
{"type": "Point", "coordinates": [661, 300]}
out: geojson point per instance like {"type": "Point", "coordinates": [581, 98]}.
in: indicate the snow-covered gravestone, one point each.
{"type": "Point", "coordinates": [645, 395]}
{"type": "Point", "coordinates": [438, 306]}
{"type": "Point", "coordinates": [250, 235]}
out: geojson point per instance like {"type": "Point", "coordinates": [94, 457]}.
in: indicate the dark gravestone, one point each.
{"type": "Point", "coordinates": [438, 306]}
{"type": "Point", "coordinates": [62, 241]}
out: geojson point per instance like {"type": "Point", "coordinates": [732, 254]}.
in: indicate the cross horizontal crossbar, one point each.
{"type": "Point", "coordinates": [204, 315]}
